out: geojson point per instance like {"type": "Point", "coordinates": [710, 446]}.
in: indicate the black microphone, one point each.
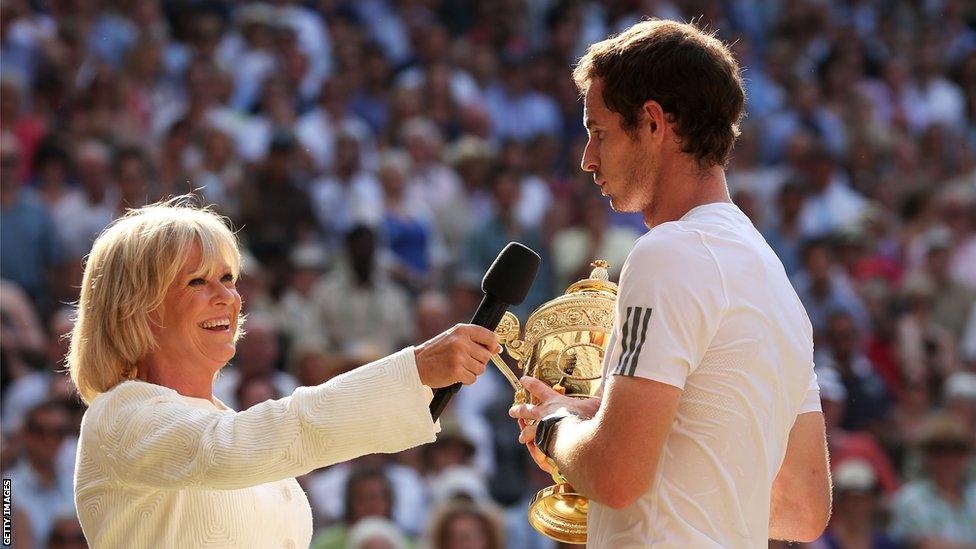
{"type": "Point", "coordinates": [507, 282]}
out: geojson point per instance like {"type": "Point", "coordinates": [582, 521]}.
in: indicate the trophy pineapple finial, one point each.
{"type": "Point", "coordinates": [600, 270]}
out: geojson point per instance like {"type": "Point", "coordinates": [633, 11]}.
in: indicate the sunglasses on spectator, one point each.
{"type": "Point", "coordinates": [47, 430]}
{"type": "Point", "coordinates": [66, 537]}
{"type": "Point", "coordinates": [947, 448]}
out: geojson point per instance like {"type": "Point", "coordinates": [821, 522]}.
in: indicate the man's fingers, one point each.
{"type": "Point", "coordinates": [538, 456]}
{"type": "Point", "coordinates": [523, 411]}
{"type": "Point", "coordinates": [527, 435]}
{"type": "Point", "coordinates": [538, 389]}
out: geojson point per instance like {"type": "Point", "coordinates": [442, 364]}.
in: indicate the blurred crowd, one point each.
{"type": "Point", "coordinates": [374, 156]}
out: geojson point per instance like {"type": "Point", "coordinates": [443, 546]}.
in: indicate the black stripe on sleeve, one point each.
{"type": "Point", "coordinates": [640, 345]}
{"type": "Point", "coordinates": [624, 342]}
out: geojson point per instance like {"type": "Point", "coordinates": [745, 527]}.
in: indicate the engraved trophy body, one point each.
{"type": "Point", "coordinates": [564, 343]}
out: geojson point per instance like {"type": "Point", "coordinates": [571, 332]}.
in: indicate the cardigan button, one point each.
{"type": "Point", "coordinates": [289, 544]}
{"type": "Point", "coordinates": [286, 493]}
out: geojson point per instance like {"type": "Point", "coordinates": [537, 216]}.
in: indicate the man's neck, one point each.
{"type": "Point", "coordinates": [684, 187]}
{"type": "Point", "coordinates": [43, 471]}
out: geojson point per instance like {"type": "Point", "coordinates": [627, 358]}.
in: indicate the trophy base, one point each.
{"type": "Point", "coordinates": [559, 513]}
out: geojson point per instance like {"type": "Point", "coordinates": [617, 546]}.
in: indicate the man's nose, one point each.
{"type": "Point", "coordinates": [589, 162]}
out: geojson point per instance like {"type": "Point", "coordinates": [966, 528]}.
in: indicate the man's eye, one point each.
{"type": "Point", "coordinates": [197, 282]}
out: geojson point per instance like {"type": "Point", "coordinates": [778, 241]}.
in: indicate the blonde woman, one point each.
{"type": "Point", "coordinates": [161, 462]}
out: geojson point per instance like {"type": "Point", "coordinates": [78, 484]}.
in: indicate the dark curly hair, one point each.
{"type": "Point", "coordinates": [691, 74]}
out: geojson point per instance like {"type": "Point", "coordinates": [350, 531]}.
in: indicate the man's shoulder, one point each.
{"type": "Point", "coordinates": [670, 246]}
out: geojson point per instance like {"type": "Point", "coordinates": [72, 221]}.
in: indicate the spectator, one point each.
{"type": "Point", "coordinates": [41, 487]}
{"type": "Point", "coordinates": [847, 445]}
{"type": "Point", "coordinates": [295, 311]}
{"type": "Point", "coordinates": [318, 128]}
{"type": "Point", "coordinates": [463, 525]}
{"type": "Point", "coordinates": [484, 242]}
{"type": "Point", "coordinates": [66, 531]}
{"type": "Point", "coordinates": [36, 385]}
{"type": "Point", "coordinates": [784, 235]}
{"type": "Point", "coordinates": [824, 288]}
{"type": "Point", "coordinates": [328, 490]}
{"type": "Point", "coordinates": [348, 196]}
{"type": "Point", "coordinates": [364, 314]}
{"type": "Point", "coordinates": [939, 509]}
{"type": "Point", "coordinates": [376, 533]}
{"type": "Point", "coordinates": [854, 520]}
{"type": "Point", "coordinates": [31, 253]}
{"type": "Point", "coordinates": [867, 400]}
{"type": "Point", "coordinates": [272, 231]}
{"type": "Point", "coordinates": [368, 493]}
{"type": "Point", "coordinates": [432, 181]}
{"type": "Point", "coordinates": [82, 216]}
{"type": "Point", "coordinates": [831, 204]}
{"type": "Point", "coordinates": [408, 228]}
{"type": "Point", "coordinates": [22, 342]}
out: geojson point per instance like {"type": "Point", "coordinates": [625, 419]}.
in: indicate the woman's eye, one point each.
{"type": "Point", "coordinates": [197, 282]}
{"type": "Point", "coordinates": [228, 278]}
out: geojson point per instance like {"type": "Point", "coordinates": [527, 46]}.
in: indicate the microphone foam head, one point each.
{"type": "Point", "coordinates": [511, 275]}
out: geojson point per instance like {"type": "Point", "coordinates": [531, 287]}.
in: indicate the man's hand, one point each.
{"type": "Point", "coordinates": [458, 354]}
{"type": "Point", "coordinates": [549, 402]}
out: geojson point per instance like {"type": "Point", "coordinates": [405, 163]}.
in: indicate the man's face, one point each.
{"type": "Point", "coordinates": [623, 164]}
{"type": "Point", "coordinates": [44, 432]}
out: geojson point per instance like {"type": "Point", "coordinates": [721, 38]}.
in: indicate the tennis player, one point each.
{"type": "Point", "coordinates": [709, 432]}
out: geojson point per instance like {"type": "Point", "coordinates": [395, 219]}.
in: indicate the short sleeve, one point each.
{"type": "Point", "coordinates": [670, 303]}
{"type": "Point", "coordinates": [811, 401]}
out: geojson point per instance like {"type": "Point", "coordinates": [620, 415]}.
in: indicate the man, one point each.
{"type": "Point", "coordinates": [40, 485]}
{"type": "Point", "coordinates": [709, 431]}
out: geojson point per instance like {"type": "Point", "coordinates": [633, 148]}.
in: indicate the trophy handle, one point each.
{"type": "Point", "coordinates": [508, 336]}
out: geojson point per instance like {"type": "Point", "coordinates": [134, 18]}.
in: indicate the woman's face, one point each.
{"type": "Point", "coordinates": [466, 532]}
{"type": "Point", "coordinates": [198, 320]}
{"type": "Point", "coordinates": [369, 498]}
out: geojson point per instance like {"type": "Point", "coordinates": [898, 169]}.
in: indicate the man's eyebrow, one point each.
{"type": "Point", "coordinates": [589, 123]}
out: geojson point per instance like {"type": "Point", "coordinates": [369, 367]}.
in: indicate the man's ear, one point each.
{"type": "Point", "coordinates": [655, 118]}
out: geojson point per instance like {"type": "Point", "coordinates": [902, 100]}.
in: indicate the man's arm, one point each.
{"type": "Point", "coordinates": [611, 458]}
{"type": "Point", "coordinates": [801, 496]}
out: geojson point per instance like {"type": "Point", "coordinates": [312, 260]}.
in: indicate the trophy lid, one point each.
{"type": "Point", "coordinates": [599, 281]}
{"type": "Point", "coordinates": [588, 304]}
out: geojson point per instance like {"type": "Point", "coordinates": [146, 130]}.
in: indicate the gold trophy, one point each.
{"type": "Point", "coordinates": [565, 340]}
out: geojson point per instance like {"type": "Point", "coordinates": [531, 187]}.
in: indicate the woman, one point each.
{"type": "Point", "coordinates": [462, 524]}
{"type": "Point", "coordinates": [161, 462]}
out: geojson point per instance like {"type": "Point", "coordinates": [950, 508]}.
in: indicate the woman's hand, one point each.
{"type": "Point", "coordinates": [458, 354]}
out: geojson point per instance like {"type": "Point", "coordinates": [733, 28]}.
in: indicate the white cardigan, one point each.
{"type": "Point", "coordinates": [159, 469]}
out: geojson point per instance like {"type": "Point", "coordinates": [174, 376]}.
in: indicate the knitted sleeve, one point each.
{"type": "Point", "coordinates": [146, 435]}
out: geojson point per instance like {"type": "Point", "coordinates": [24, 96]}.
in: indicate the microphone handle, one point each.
{"type": "Point", "coordinates": [488, 315]}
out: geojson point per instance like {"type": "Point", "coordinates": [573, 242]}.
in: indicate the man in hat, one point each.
{"type": "Point", "coordinates": [709, 432]}
{"type": "Point", "coordinates": [857, 498]}
{"type": "Point", "coordinates": [939, 510]}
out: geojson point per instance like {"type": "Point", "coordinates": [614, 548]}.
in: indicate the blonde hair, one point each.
{"type": "Point", "coordinates": [131, 265]}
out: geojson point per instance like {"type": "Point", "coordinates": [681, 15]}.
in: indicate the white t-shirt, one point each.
{"type": "Point", "coordinates": [705, 305]}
